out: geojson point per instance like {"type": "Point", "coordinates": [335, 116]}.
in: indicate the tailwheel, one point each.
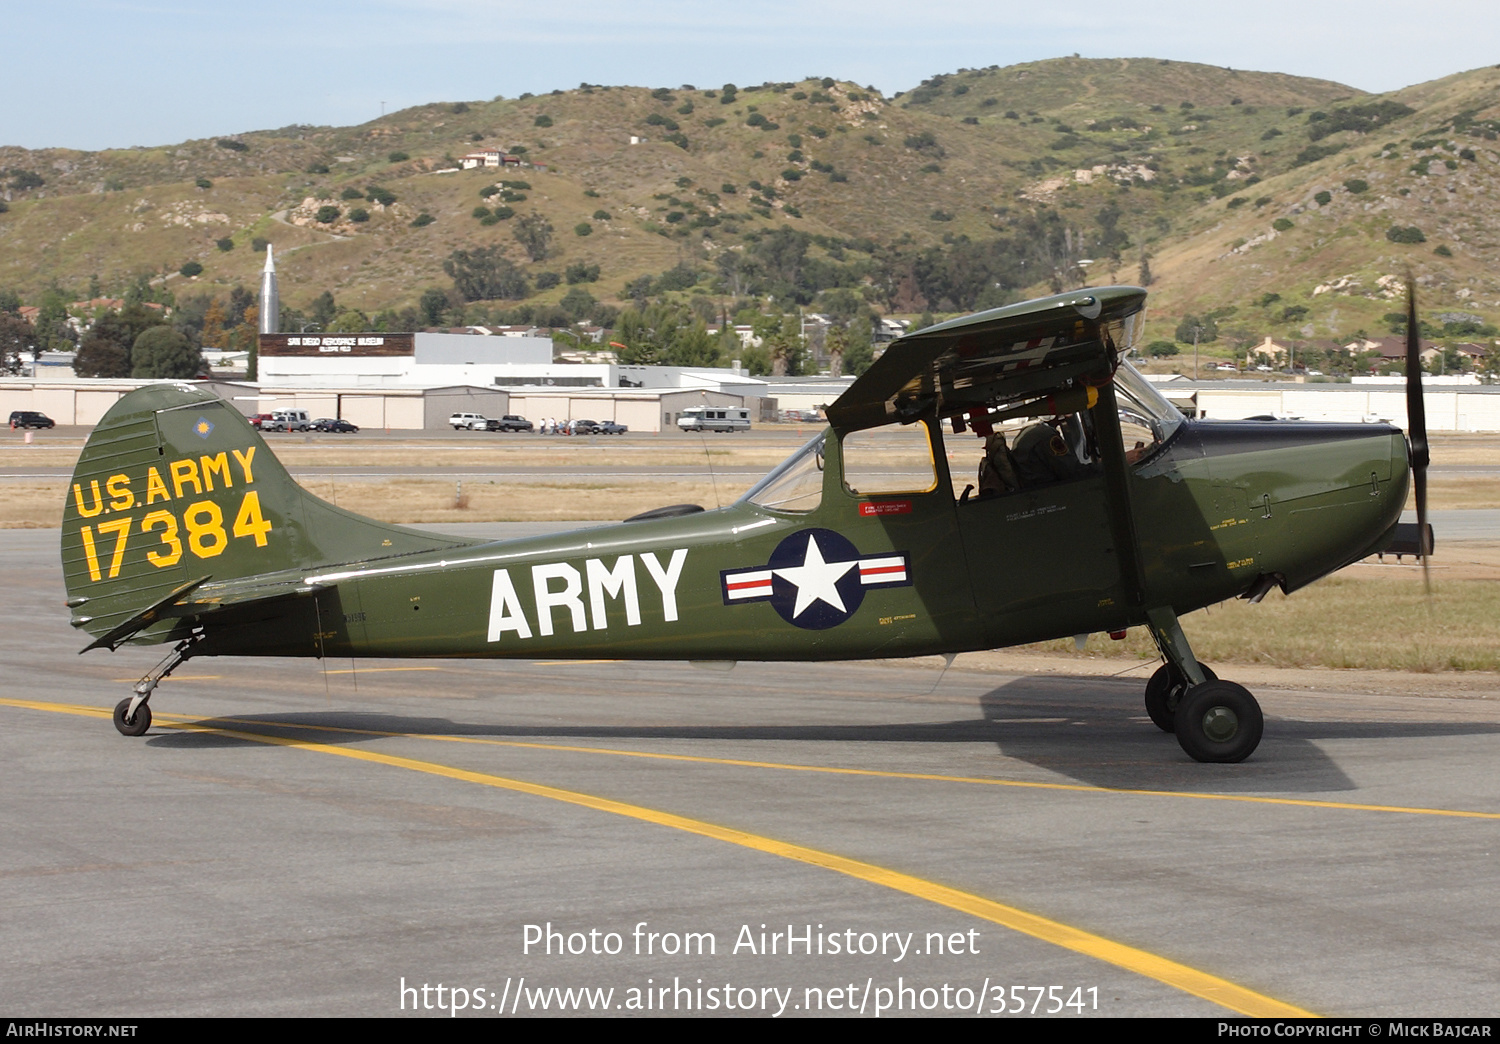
{"type": "Point", "coordinates": [1164, 692]}
{"type": "Point", "coordinates": [132, 725]}
{"type": "Point", "coordinates": [1219, 721]}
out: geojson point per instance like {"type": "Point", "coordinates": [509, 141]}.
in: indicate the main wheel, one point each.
{"type": "Point", "coordinates": [1219, 721]}
{"type": "Point", "coordinates": [136, 726]}
{"type": "Point", "coordinates": [1164, 692]}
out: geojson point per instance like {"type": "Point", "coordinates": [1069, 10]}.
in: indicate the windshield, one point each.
{"type": "Point", "coordinates": [1141, 404]}
{"type": "Point", "coordinates": [796, 484]}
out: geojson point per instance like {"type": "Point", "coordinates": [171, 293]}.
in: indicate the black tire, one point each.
{"type": "Point", "coordinates": [1164, 692]}
{"type": "Point", "coordinates": [138, 725]}
{"type": "Point", "coordinates": [1219, 721]}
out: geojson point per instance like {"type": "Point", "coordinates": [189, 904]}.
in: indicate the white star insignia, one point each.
{"type": "Point", "coordinates": [815, 579]}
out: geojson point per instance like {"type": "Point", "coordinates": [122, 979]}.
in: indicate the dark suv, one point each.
{"type": "Point", "coordinates": [30, 419]}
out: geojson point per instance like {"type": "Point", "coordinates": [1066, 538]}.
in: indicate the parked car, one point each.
{"type": "Point", "coordinates": [510, 422]}
{"type": "Point", "coordinates": [333, 424]}
{"type": "Point", "coordinates": [259, 420]}
{"type": "Point", "coordinates": [593, 427]}
{"type": "Point", "coordinates": [30, 419]}
{"type": "Point", "coordinates": [469, 421]}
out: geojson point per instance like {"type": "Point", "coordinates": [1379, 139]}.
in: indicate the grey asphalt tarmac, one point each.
{"type": "Point", "coordinates": [304, 838]}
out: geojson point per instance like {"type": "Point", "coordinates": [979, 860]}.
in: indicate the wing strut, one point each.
{"type": "Point", "coordinates": [1117, 495]}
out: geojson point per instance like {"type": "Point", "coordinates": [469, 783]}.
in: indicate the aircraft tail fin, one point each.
{"type": "Point", "coordinates": [175, 489]}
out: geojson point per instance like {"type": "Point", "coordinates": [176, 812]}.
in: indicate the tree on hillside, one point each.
{"type": "Point", "coordinates": [105, 351]}
{"type": "Point", "coordinates": [485, 273]}
{"type": "Point", "coordinates": [861, 352]}
{"type": "Point", "coordinates": [665, 334]}
{"type": "Point", "coordinates": [578, 303]}
{"type": "Point", "coordinates": [837, 343]}
{"type": "Point", "coordinates": [240, 300]}
{"type": "Point", "coordinates": [164, 352]}
{"type": "Point", "coordinates": [787, 347]}
{"type": "Point", "coordinates": [433, 306]}
{"type": "Point", "coordinates": [534, 233]}
{"type": "Point", "coordinates": [214, 335]}
{"type": "Point", "coordinates": [323, 309]}
{"type": "Point", "coordinates": [53, 331]}
{"type": "Point", "coordinates": [349, 320]}
{"type": "Point", "coordinates": [16, 336]}
{"type": "Point", "coordinates": [1207, 328]}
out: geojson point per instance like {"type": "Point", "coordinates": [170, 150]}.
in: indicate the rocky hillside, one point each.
{"type": "Point", "coordinates": [1288, 200]}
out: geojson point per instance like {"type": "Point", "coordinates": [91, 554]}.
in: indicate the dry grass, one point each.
{"type": "Point", "coordinates": [1451, 493]}
{"type": "Point", "coordinates": [1340, 622]}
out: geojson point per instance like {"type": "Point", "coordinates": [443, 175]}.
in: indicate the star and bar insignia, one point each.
{"type": "Point", "coordinates": [815, 578]}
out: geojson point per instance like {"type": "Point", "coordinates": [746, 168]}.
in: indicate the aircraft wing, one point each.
{"type": "Point", "coordinates": [1004, 353]}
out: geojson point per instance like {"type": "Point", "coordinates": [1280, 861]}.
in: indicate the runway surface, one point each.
{"type": "Point", "coordinates": [301, 838]}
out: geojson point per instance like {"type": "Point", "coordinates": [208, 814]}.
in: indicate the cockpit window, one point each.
{"type": "Point", "coordinates": [1147, 419]}
{"type": "Point", "coordinates": [795, 485]}
{"type": "Point", "coordinates": [889, 459]}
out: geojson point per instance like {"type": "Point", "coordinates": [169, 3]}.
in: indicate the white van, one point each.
{"type": "Point", "coordinates": [288, 420]}
{"type": "Point", "coordinates": [714, 418]}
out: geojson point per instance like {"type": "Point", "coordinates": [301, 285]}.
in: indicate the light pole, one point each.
{"type": "Point", "coordinates": [1196, 331]}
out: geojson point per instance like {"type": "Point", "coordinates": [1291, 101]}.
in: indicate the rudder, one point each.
{"type": "Point", "coordinates": [174, 487]}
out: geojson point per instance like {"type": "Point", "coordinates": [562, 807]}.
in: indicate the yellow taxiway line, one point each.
{"type": "Point", "coordinates": [1142, 962]}
{"type": "Point", "coordinates": [931, 777]}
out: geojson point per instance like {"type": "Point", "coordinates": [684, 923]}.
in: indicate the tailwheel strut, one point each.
{"type": "Point", "coordinates": [133, 714]}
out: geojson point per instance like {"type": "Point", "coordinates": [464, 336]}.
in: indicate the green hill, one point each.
{"type": "Point", "coordinates": [1235, 185]}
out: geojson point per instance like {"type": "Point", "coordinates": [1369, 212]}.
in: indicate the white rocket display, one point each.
{"type": "Point", "coordinates": [270, 300]}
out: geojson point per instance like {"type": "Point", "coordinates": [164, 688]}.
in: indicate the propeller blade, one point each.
{"type": "Point", "coordinates": [1416, 424]}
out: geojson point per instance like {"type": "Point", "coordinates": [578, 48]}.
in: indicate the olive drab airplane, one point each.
{"type": "Point", "coordinates": [1078, 501]}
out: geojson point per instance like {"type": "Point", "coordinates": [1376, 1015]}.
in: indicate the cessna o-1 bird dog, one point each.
{"type": "Point", "coordinates": [1095, 506]}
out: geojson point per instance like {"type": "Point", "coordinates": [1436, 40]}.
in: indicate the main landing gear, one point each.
{"type": "Point", "coordinates": [1213, 720]}
{"type": "Point", "coordinates": [133, 714]}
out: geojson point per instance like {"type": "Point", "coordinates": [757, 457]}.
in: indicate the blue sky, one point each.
{"type": "Point", "coordinates": [93, 74]}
